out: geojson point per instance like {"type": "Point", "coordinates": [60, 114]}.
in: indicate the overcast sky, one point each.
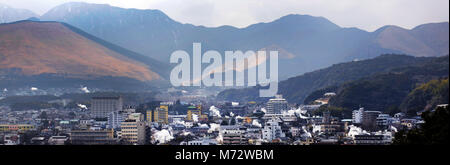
{"type": "Point", "coordinates": [365, 14]}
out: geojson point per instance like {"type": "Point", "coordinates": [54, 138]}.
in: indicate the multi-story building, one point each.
{"type": "Point", "coordinates": [92, 137]}
{"type": "Point", "coordinates": [371, 140]}
{"type": "Point", "coordinates": [133, 129]}
{"type": "Point", "coordinates": [331, 128]}
{"type": "Point", "coordinates": [384, 120]}
{"type": "Point", "coordinates": [193, 110]}
{"type": "Point", "coordinates": [276, 105]}
{"type": "Point", "coordinates": [253, 132]}
{"type": "Point", "coordinates": [116, 118]}
{"type": "Point", "coordinates": [16, 127]}
{"type": "Point", "coordinates": [233, 135]}
{"type": "Point", "coordinates": [161, 114]}
{"type": "Point", "coordinates": [272, 130]}
{"type": "Point", "coordinates": [149, 116]}
{"type": "Point", "coordinates": [369, 120]}
{"type": "Point", "coordinates": [102, 106]}
{"type": "Point", "coordinates": [357, 116]}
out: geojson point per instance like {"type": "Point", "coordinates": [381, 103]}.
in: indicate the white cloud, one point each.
{"type": "Point", "coordinates": [365, 14]}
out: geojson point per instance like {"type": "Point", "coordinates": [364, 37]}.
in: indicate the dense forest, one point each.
{"type": "Point", "coordinates": [426, 96]}
{"type": "Point", "coordinates": [410, 89]}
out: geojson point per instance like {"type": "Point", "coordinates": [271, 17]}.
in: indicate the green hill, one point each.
{"type": "Point", "coordinates": [298, 88]}
{"type": "Point", "coordinates": [384, 91]}
{"type": "Point", "coordinates": [426, 96]}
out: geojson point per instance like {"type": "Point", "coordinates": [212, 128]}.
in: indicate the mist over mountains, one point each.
{"type": "Point", "coordinates": [9, 14]}
{"type": "Point", "coordinates": [314, 42]}
{"type": "Point", "coordinates": [307, 43]}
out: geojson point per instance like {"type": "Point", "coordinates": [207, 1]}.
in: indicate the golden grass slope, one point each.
{"type": "Point", "coordinates": [50, 47]}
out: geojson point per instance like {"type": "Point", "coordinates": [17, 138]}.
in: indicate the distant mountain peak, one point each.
{"type": "Point", "coordinates": [424, 40]}
{"type": "Point", "coordinates": [388, 27]}
{"type": "Point", "coordinates": [9, 14]}
{"type": "Point", "coordinates": [306, 20]}
{"type": "Point", "coordinates": [84, 8]}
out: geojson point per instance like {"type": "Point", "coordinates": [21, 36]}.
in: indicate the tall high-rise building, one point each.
{"type": "Point", "coordinates": [102, 106]}
{"type": "Point", "coordinates": [276, 105]}
{"type": "Point", "coordinates": [133, 129]}
{"type": "Point", "coordinates": [149, 116]}
{"type": "Point", "coordinates": [161, 114]}
{"type": "Point", "coordinates": [357, 116]}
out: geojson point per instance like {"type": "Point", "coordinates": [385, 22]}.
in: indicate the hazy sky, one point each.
{"type": "Point", "coordinates": [364, 14]}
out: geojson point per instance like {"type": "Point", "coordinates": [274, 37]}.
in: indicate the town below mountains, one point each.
{"type": "Point", "coordinates": [93, 74]}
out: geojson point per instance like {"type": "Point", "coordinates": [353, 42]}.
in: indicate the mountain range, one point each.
{"type": "Point", "coordinates": [313, 42]}
{"type": "Point", "coordinates": [307, 43]}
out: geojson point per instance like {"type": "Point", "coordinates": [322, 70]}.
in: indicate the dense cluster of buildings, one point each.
{"type": "Point", "coordinates": [108, 122]}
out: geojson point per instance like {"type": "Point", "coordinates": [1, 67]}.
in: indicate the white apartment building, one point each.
{"type": "Point", "coordinates": [357, 116]}
{"type": "Point", "coordinates": [272, 130]}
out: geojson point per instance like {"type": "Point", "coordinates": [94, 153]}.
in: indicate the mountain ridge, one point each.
{"type": "Point", "coordinates": [312, 42]}
{"type": "Point", "coordinates": [401, 88]}
{"type": "Point", "coordinates": [315, 42]}
{"type": "Point", "coordinates": [297, 89]}
{"type": "Point", "coordinates": [29, 49]}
